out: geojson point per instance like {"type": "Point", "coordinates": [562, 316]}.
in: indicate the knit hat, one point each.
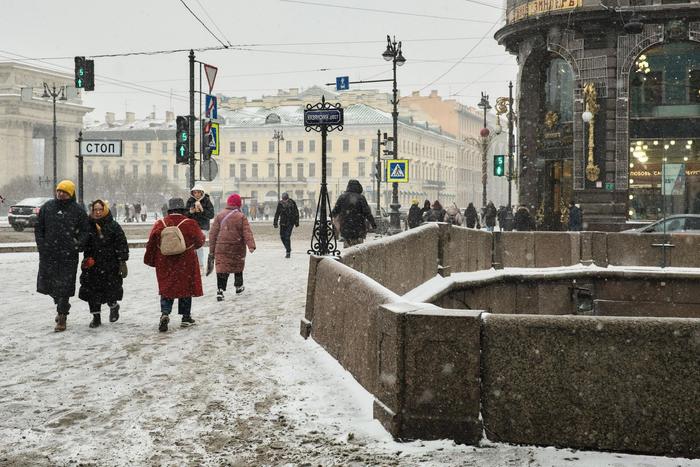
{"type": "Point", "coordinates": [234, 200]}
{"type": "Point", "coordinates": [414, 201]}
{"type": "Point", "coordinates": [176, 204]}
{"type": "Point", "coordinates": [66, 186]}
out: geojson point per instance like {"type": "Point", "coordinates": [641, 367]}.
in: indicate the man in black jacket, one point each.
{"type": "Point", "coordinates": [200, 208]}
{"type": "Point", "coordinates": [61, 232]}
{"type": "Point", "coordinates": [287, 217]}
{"type": "Point", "coordinates": [353, 214]}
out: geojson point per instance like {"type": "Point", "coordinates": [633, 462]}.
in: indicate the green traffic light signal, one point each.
{"type": "Point", "coordinates": [183, 136]}
{"type": "Point", "coordinates": [499, 165]}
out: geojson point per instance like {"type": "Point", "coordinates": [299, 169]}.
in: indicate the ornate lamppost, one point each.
{"type": "Point", "coordinates": [484, 133]}
{"type": "Point", "coordinates": [505, 105]}
{"type": "Point", "coordinates": [53, 92]}
{"type": "Point", "coordinates": [278, 136]}
{"type": "Point", "coordinates": [393, 54]}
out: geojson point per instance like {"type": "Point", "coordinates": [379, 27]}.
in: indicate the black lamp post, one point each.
{"type": "Point", "coordinates": [484, 104]}
{"type": "Point", "coordinates": [393, 53]}
{"type": "Point", "coordinates": [53, 92]}
{"type": "Point", "coordinates": [511, 145]}
{"type": "Point", "coordinates": [278, 136]}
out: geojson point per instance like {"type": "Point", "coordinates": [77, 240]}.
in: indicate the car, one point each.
{"type": "Point", "coordinates": [25, 213]}
{"type": "Point", "coordinates": [689, 223]}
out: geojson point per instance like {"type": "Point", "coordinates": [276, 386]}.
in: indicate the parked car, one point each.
{"type": "Point", "coordinates": [673, 224]}
{"type": "Point", "coordinates": [25, 213]}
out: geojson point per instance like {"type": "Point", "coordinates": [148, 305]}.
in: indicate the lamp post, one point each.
{"type": "Point", "coordinates": [484, 133]}
{"type": "Point", "coordinates": [278, 136]}
{"type": "Point", "coordinates": [53, 92]}
{"type": "Point", "coordinates": [393, 54]}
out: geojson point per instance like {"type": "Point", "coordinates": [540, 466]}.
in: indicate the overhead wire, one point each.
{"type": "Point", "coordinates": [213, 22]}
{"type": "Point", "coordinates": [202, 23]}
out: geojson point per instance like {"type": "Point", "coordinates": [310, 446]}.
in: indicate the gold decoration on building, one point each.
{"type": "Point", "coordinates": [551, 119]}
{"type": "Point", "coordinates": [564, 209]}
{"type": "Point", "coordinates": [590, 96]}
{"type": "Point", "coordinates": [539, 217]}
{"type": "Point", "coordinates": [501, 109]}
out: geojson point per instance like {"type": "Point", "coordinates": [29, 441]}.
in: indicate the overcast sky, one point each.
{"type": "Point", "coordinates": [276, 44]}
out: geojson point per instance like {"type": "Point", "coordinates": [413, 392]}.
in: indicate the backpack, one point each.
{"type": "Point", "coordinates": [172, 242]}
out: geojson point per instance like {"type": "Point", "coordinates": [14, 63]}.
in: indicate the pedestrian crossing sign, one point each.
{"type": "Point", "coordinates": [397, 170]}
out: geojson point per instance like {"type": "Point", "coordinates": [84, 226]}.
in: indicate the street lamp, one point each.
{"type": "Point", "coordinates": [53, 92]}
{"type": "Point", "coordinates": [505, 105]}
{"type": "Point", "coordinates": [278, 136]}
{"type": "Point", "coordinates": [484, 104]}
{"type": "Point", "coordinates": [393, 54]}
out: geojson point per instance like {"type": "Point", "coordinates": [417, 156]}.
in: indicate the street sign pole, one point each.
{"type": "Point", "coordinates": [80, 169]}
{"type": "Point", "coordinates": [191, 119]}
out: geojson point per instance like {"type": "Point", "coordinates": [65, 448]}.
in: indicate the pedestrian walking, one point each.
{"type": "Point", "coordinates": [61, 232]}
{"type": "Point", "coordinates": [287, 217]}
{"type": "Point", "coordinates": [229, 237]}
{"type": "Point", "coordinates": [267, 210]}
{"type": "Point", "coordinates": [200, 209]}
{"type": "Point", "coordinates": [104, 264]}
{"type": "Point", "coordinates": [435, 214]}
{"type": "Point", "coordinates": [144, 213]}
{"type": "Point", "coordinates": [424, 209]}
{"type": "Point", "coordinates": [170, 249]}
{"type": "Point", "coordinates": [523, 220]}
{"type": "Point", "coordinates": [453, 215]}
{"type": "Point", "coordinates": [471, 217]}
{"type": "Point", "coordinates": [414, 215]}
{"type": "Point", "coordinates": [353, 214]}
{"type": "Point", "coordinates": [137, 211]}
{"type": "Point", "coordinates": [490, 215]}
{"type": "Point", "coordinates": [575, 217]}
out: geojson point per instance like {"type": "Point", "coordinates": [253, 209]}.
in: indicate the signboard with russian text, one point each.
{"type": "Point", "coordinates": [101, 148]}
{"type": "Point", "coordinates": [323, 117]}
{"type": "Point", "coordinates": [538, 7]}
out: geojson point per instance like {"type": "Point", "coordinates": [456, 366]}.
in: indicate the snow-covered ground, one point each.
{"type": "Point", "coordinates": [239, 388]}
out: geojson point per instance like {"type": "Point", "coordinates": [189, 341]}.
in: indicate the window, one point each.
{"type": "Point", "coordinates": [175, 171]}
{"type": "Point", "coordinates": [135, 170]}
{"type": "Point", "coordinates": [255, 147]}
{"type": "Point", "coordinates": [243, 147]}
{"type": "Point", "coordinates": [254, 170]}
{"type": "Point", "coordinates": [243, 172]}
{"type": "Point", "coordinates": [360, 169]}
{"type": "Point", "coordinates": [135, 148]}
{"type": "Point", "coordinates": [329, 145]}
{"type": "Point", "coordinates": [232, 170]}
{"type": "Point", "coordinates": [288, 170]}
{"type": "Point", "coordinates": [312, 169]}
{"type": "Point", "coordinates": [312, 146]}
{"type": "Point", "coordinates": [288, 146]}
{"type": "Point", "coordinates": [329, 169]}
{"type": "Point", "coordinates": [164, 148]}
{"type": "Point", "coordinates": [361, 145]}
{"type": "Point", "coordinates": [164, 170]}
{"type": "Point", "coordinates": [271, 170]}
{"type": "Point", "coordinates": [300, 146]}
{"type": "Point", "coordinates": [346, 145]}
{"type": "Point", "coordinates": [148, 148]}
{"type": "Point", "coordinates": [374, 147]}
{"type": "Point", "coordinates": [300, 171]}
{"type": "Point", "coordinates": [271, 147]}
{"type": "Point", "coordinates": [232, 147]}
{"type": "Point", "coordinates": [346, 169]}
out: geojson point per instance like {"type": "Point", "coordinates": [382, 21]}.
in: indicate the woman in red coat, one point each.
{"type": "Point", "coordinates": [178, 274]}
{"type": "Point", "coordinates": [230, 234]}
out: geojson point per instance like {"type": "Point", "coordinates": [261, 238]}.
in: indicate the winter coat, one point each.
{"type": "Point", "coordinates": [575, 219]}
{"type": "Point", "coordinates": [203, 217]}
{"type": "Point", "coordinates": [490, 215]}
{"type": "Point", "coordinates": [107, 246]}
{"type": "Point", "coordinates": [452, 215]}
{"type": "Point", "coordinates": [287, 213]}
{"type": "Point", "coordinates": [471, 217]}
{"type": "Point", "coordinates": [229, 236]}
{"type": "Point", "coordinates": [522, 220]}
{"type": "Point", "coordinates": [61, 232]}
{"type": "Point", "coordinates": [414, 216]}
{"type": "Point", "coordinates": [501, 215]}
{"type": "Point", "coordinates": [178, 275]}
{"type": "Point", "coordinates": [353, 212]}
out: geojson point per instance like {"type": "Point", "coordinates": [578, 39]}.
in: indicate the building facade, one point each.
{"type": "Point", "coordinates": [26, 124]}
{"type": "Point", "coordinates": [609, 108]}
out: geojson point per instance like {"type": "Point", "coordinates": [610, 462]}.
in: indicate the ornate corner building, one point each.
{"type": "Point", "coordinates": [609, 102]}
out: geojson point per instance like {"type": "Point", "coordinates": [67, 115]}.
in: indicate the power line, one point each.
{"type": "Point", "coordinates": [403, 13]}
{"type": "Point", "coordinates": [213, 22]}
{"type": "Point", "coordinates": [202, 23]}
{"type": "Point", "coordinates": [485, 4]}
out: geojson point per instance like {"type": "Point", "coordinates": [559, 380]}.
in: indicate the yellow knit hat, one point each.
{"type": "Point", "coordinates": [67, 186]}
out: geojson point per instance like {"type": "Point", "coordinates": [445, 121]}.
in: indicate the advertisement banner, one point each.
{"type": "Point", "coordinates": [673, 177]}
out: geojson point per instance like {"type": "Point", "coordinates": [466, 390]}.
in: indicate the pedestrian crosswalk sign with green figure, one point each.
{"type": "Point", "coordinates": [397, 170]}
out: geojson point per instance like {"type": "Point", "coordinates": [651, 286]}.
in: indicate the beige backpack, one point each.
{"type": "Point", "coordinates": [172, 242]}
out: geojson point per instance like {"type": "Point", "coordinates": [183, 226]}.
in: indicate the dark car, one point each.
{"type": "Point", "coordinates": [689, 223]}
{"type": "Point", "coordinates": [25, 213]}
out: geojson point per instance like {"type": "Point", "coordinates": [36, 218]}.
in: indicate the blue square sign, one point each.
{"type": "Point", "coordinates": [342, 83]}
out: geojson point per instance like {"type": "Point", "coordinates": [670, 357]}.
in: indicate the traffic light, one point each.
{"type": "Point", "coordinates": [182, 140]}
{"type": "Point", "coordinates": [499, 165]}
{"type": "Point", "coordinates": [206, 151]}
{"type": "Point", "coordinates": [84, 74]}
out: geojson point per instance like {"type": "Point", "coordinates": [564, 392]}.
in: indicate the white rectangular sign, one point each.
{"type": "Point", "coordinates": [101, 148]}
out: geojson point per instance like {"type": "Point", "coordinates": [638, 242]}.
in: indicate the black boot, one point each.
{"type": "Point", "coordinates": [113, 312]}
{"type": "Point", "coordinates": [96, 320]}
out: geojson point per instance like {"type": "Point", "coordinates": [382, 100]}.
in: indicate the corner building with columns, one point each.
{"type": "Point", "coordinates": [609, 108]}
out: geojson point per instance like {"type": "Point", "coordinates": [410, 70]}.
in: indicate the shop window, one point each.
{"type": "Point", "coordinates": [559, 89]}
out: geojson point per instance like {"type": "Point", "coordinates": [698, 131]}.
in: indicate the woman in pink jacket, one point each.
{"type": "Point", "coordinates": [230, 234]}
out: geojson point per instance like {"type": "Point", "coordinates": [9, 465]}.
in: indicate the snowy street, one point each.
{"type": "Point", "coordinates": [242, 387]}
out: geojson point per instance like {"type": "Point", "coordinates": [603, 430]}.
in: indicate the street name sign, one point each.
{"type": "Point", "coordinates": [101, 148]}
{"type": "Point", "coordinates": [397, 170]}
{"type": "Point", "coordinates": [323, 117]}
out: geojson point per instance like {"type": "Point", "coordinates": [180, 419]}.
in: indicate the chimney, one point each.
{"type": "Point", "coordinates": [130, 117]}
{"type": "Point", "coordinates": [169, 116]}
{"type": "Point", "coordinates": [109, 118]}
{"type": "Point", "coordinates": [433, 93]}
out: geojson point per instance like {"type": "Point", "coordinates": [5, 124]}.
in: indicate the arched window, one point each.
{"type": "Point", "coordinates": [559, 89]}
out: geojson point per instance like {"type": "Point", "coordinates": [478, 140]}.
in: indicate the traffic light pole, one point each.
{"type": "Point", "coordinates": [509, 210]}
{"type": "Point", "coordinates": [191, 119]}
{"type": "Point", "coordinates": [379, 172]}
